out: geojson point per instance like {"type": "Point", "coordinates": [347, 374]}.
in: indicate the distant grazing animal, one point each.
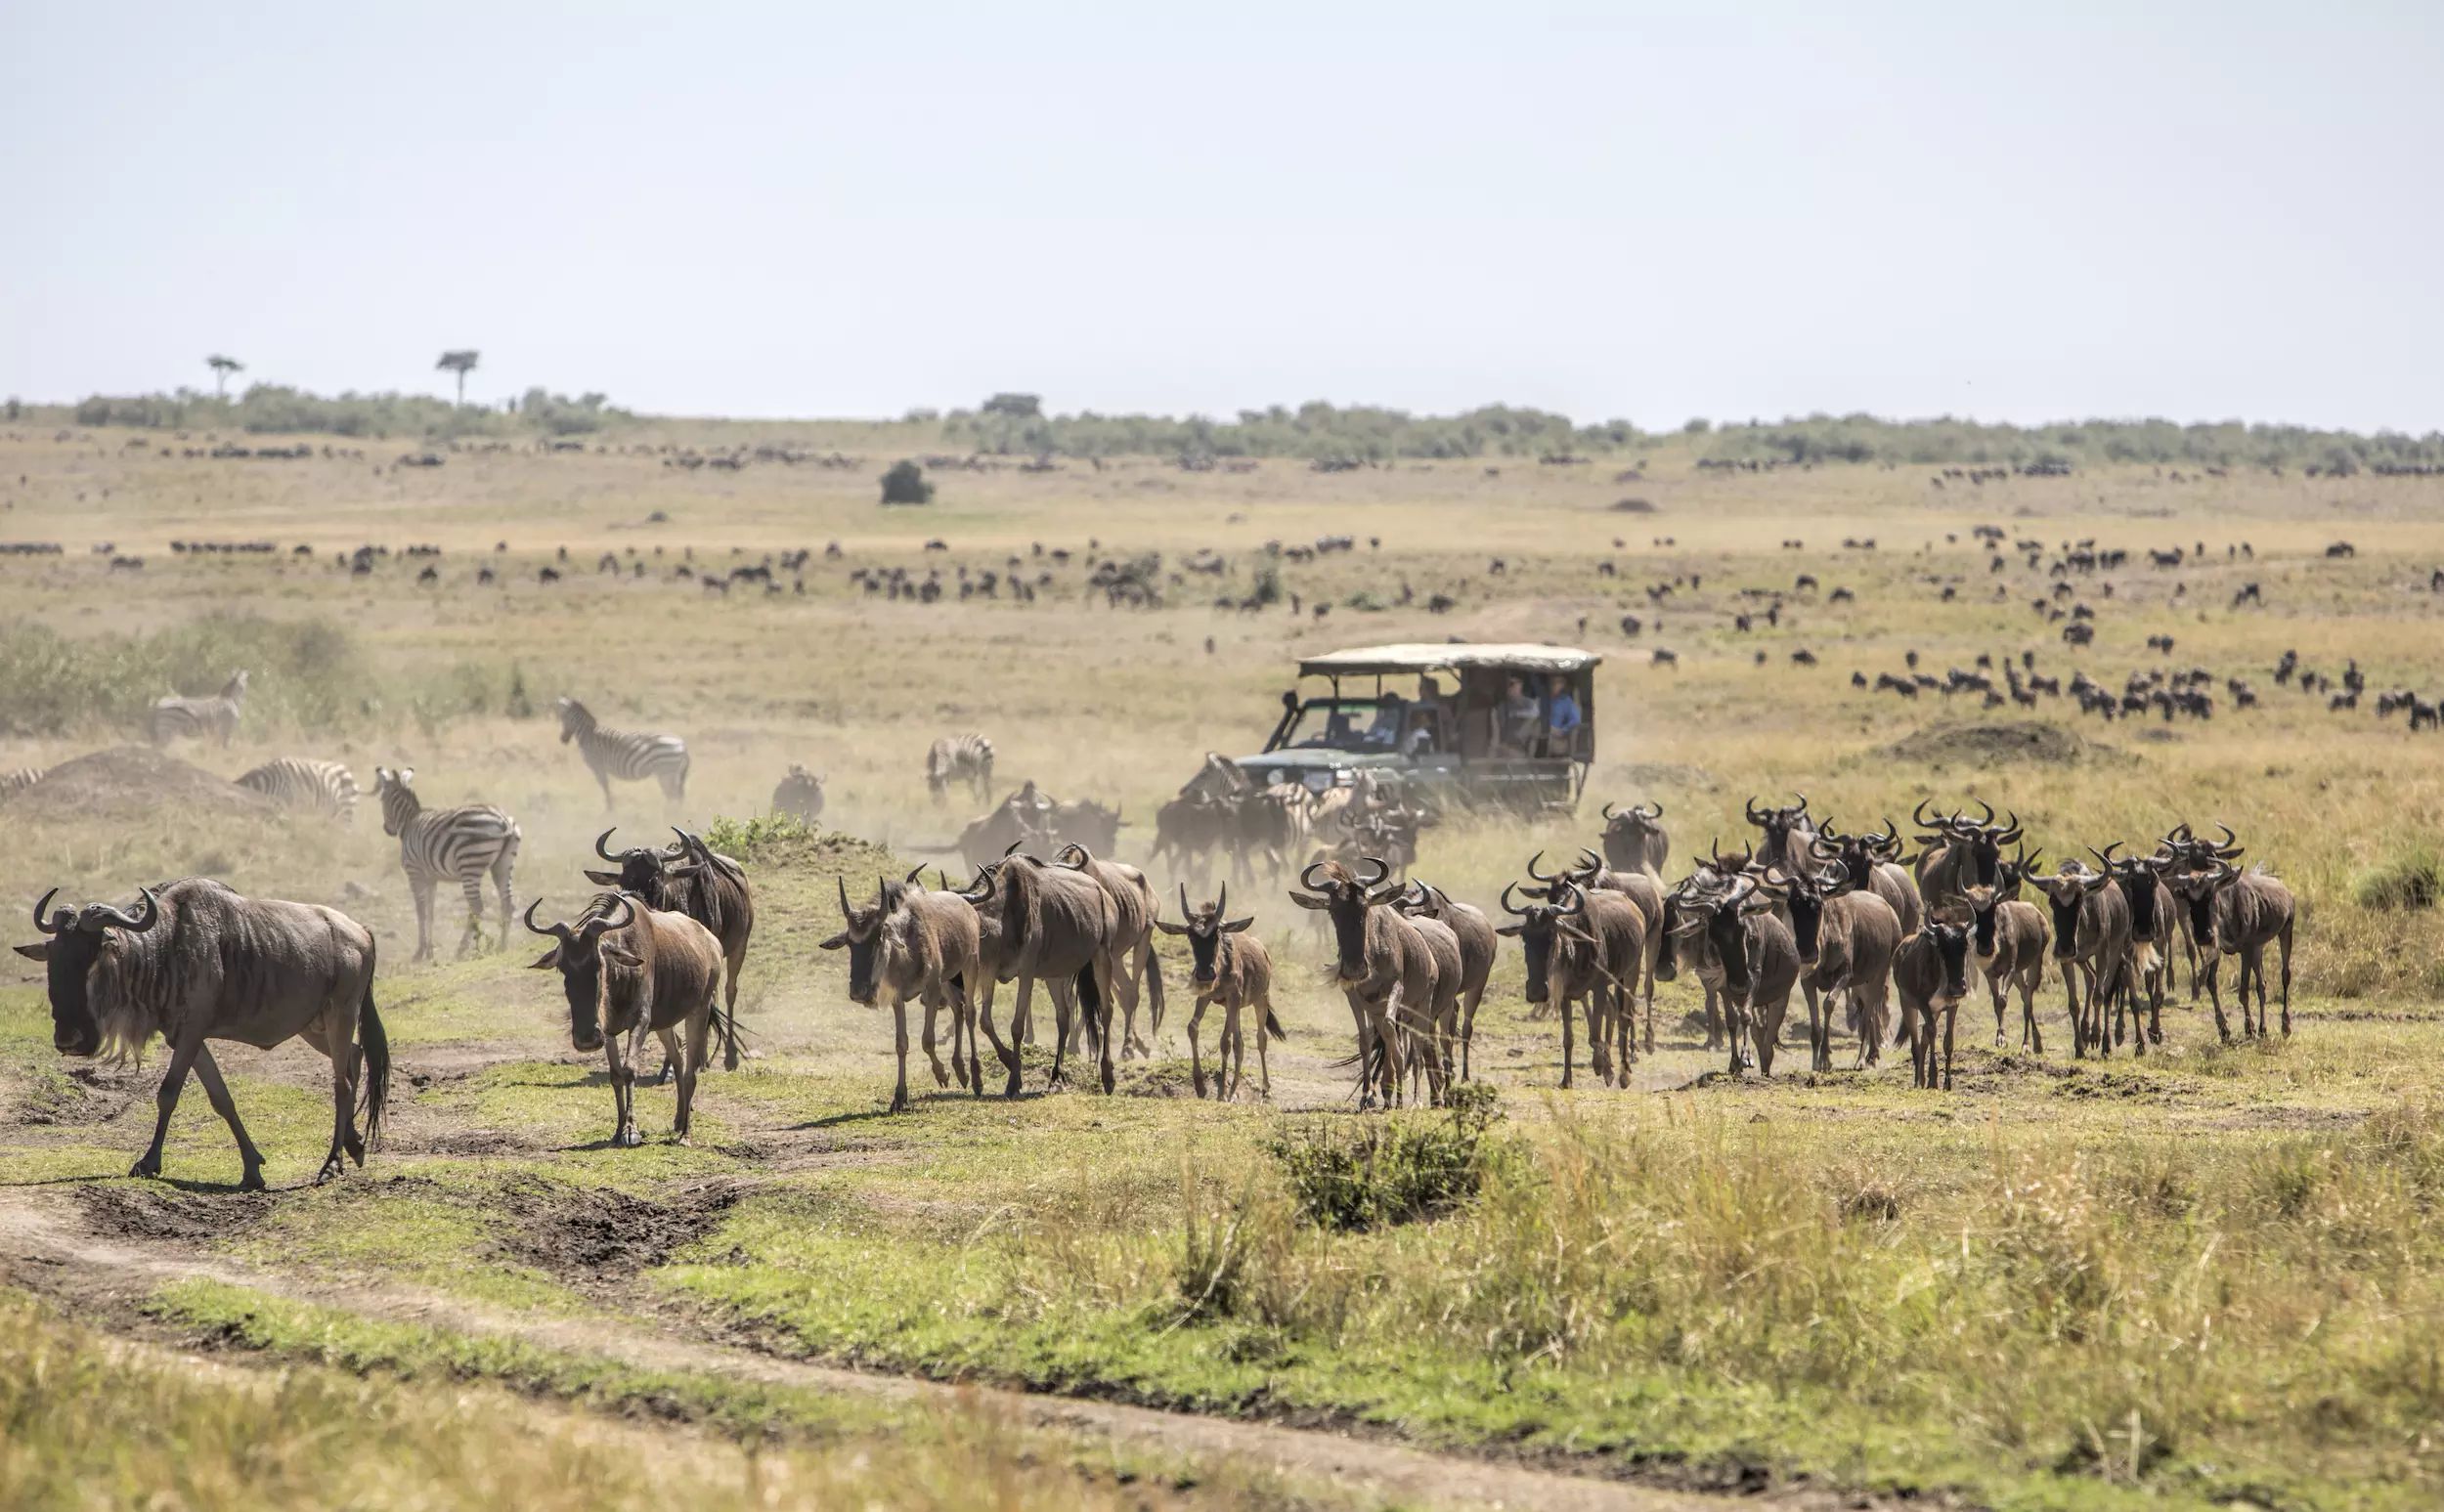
{"type": "Point", "coordinates": [629, 757]}
{"type": "Point", "coordinates": [460, 843]}
{"type": "Point", "coordinates": [293, 782]}
{"type": "Point", "coordinates": [912, 943]}
{"type": "Point", "coordinates": [1232, 968]}
{"type": "Point", "coordinates": [967, 758]}
{"type": "Point", "coordinates": [800, 794]}
{"type": "Point", "coordinates": [197, 962]}
{"type": "Point", "coordinates": [634, 971]}
{"type": "Point", "coordinates": [174, 717]}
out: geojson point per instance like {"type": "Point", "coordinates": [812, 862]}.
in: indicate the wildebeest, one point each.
{"type": "Point", "coordinates": [1474, 933]}
{"type": "Point", "coordinates": [1742, 950]}
{"type": "Point", "coordinates": [1059, 926]}
{"type": "Point", "coordinates": [967, 758]}
{"type": "Point", "coordinates": [690, 877]}
{"type": "Point", "coordinates": [1642, 888]}
{"type": "Point", "coordinates": [1381, 963]}
{"type": "Point", "coordinates": [2091, 923]}
{"type": "Point", "coordinates": [1960, 853]}
{"type": "Point", "coordinates": [634, 971]}
{"type": "Point", "coordinates": [1232, 968]}
{"type": "Point", "coordinates": [1868, 859]}
{"type": "Point", "coordinates": [1139, 970]}
{"type": "Point", "coordinates": [2237, 913]}
{"type": "Point", "coordinates": [1787, 830]}
{"type": "Point", "coordinates": [1583, 947]}
{"type": "Point", "coordinates": [912, 943]}
{"type": "Point", "coordinates": [1846, 939]}
{"type": "Point", "coordinates": [1931, 975]}
{"type": "Point", "coordinates": [1634, 838]}
{"type": "Point", "coordinates": [2140, 881]}
{"type": "Point", "coordinates": [2008, 939]}
{"type": "Point", "coordinates": [197, 962]}
{"type": "Point", "coordinates": [799, 794]}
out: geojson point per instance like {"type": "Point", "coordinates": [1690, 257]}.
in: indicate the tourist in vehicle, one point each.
{"type": "Point", "coordinates": [1561, 716]}
{"type": "Point", "coordinates": [1389, 712]}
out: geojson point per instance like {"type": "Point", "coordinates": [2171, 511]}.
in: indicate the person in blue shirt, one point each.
{"type": "Point", "coordinates": [1561, 716]}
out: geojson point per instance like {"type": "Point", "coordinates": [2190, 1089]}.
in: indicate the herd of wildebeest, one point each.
{"type": "Point", "coordinates": [1851, 917]}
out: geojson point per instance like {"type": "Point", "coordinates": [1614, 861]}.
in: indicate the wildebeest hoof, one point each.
{"type": "Point", "coordinates": [252, 1181]}
{"type": "Point", "coordinates": [145, 1166]}
{"type": "Point", "coordinates": [682, 1142]}
{"type": "Point", "coordinates": [628, 1138]}
{"type": "Point", "coordinates": [332, 1170]}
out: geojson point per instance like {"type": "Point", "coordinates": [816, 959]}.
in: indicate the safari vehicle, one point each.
{"type": "Point", "coordinates": [1440, 726]}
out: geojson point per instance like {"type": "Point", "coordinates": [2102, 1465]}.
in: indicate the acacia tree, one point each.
{"type": "Point", "coordinates": [461, 363]}
{"type": "Point", "coordinates": [222, 367]}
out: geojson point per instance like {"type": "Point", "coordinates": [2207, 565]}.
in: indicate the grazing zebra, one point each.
{"type": "Point", "coordinates": [967, 758]}
{"type": "Point", "coordinates": [801, 792]}
{"type": "Point", "coordinates": [293, 782]}
{"type": "Point", "coordinates": [462, 842]}
{"type": "Point", "coordinates": [631, 758]}
{"type": "Point", "coordinates": [173, 716]}
{"type": "Point", "coordinates": [17, 781]}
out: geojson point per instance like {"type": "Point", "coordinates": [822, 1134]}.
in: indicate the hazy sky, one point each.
{"type": "Point", "coordinates": [2017, 212]}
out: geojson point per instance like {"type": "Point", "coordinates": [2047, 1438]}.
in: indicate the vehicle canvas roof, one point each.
{"type": "Point", "coordinates": [1430, 655]}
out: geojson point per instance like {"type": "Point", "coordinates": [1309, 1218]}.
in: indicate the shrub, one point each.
{"type": "Point", "coordinates": [2410, 881]}
{"type": "Point", "coordinates": [1393, 1171]}
{"type": "Point", "coordinates": [753, 840]}
{"type": "Point", "coordinates": [904, 484]}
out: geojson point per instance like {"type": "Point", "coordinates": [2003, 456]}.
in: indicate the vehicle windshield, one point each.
{"type": "Point", "coordinates": [1347, 724]}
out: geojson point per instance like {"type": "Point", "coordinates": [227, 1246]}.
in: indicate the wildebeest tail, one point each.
{"type": "Point", "coordinates": [1154, 988]}
{"type": "Point", "coordinates": [1273, 1025]}
{"type": "Point", "coordinates": [1090, 1005]}
{"type": "Point", "coordinates": [373, 1088]}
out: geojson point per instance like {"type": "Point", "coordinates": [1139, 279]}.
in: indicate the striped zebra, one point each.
{"type": "Point", "coordinates": [462, 844]}
{"type": "Point", "coordinates": [293, 782]}
{"type": "Point", "coordinates": [17, 781]}
{"type": "Point", "coordinates": [173, 716]}
{"type": "Point", "coordinates": [631, 758]}
{"type": "Point", "coordinates": [967, 758]}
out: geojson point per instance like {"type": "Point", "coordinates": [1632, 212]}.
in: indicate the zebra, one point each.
{"type": "Point", "coordinates": [462, 842]}
{"type": "Point", "coordinates": [631, 758]}
{"type": "Point", "coordinates": [293, 782]}
{"type": "Point", "coordinates": [173, 716]}
{"type": "Point", "coordinates": [967, 758]}
{"type": "Point", "coordinates": [18, 779]}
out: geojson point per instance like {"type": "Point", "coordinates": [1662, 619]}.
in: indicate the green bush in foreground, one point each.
{"type": "Point", "coordinates": [1391, 1171]}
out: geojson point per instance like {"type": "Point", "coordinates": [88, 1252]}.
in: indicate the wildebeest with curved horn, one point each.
{"type": "Point", "coordinates": [1870, 858]}
{"type": "Point", "coordinates": [1060, 925]}
{"type": "Point", "coordinates": [1232, 968]}
{"type": "Point", "coordinates": [1787, 832]}
{"type": "Point", "coordinates": [1743, 950]}
{"type": "Point", "coordinates": [1582, 946]}
{"type": "Point", "coordinates": [1846, 939]}
{"type": "Point", "coordinates": [2091, 921]}
{"type": "Point", "coordinates": [1636, 840]}
{"type": "Point", "coordinates": [197, 963]}
{"type": "Point", "coordinates": [1643, 888]}
{"type": "Point", "coordinates": [634, 970]}
{"type": "Point", "coordinates": [688, 877]}
{"type": "Point", "coordinates": [912, 943]}
{"type": "Point", "coordinates": [2238, 912]}
{"type": "Point", "coordinates": [1381, 964]}
{"type": "Point", "coordinates": [1960, 853]}
{"type": "Point", "coordinates": [1475, 934]}
{"type": "Point", "coordinates": [1931, 975]}
{"type": "Point", "coordinates": [1134, 911]}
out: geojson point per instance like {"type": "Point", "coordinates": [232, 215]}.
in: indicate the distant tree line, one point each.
{"type": "Point", "coordinates": [1319, 432]}
{"type": "Point", "coordinates": [276, 409]}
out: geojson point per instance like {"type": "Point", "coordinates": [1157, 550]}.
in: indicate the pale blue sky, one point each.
{"type": "Point", "coordinates": [2199, 210]}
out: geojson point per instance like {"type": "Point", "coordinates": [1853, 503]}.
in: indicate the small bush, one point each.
{"type": "Point", "coordinates": [904, 484]}
{"type": "Point", "coordinates": [751, 839]}
{"type": "Point", "coordinates": [1393, 1171]}
{"type": "Point", "coordinates": [2410, 881]}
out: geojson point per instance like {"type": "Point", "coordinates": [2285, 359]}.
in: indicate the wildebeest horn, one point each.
{"type": "Point", "coordinates": [1382, 869]}
{"type": "Point", "coordinates": [1306, 879]}
{"type": "Point", "coordinates": [556, 930]}
{"type": "Point", "coordinates": [1918, 816]}
{"type": "Point", "coordinates": [1607, 810]}
{"type": "Point", "coordinates": [1594, 862]}
{"type": "Point", "coordinates": [1889, 832]}
{"type": "Point", "coordinates": [1533, 872]}
{"type": "Point", "coordinates": [602, 845]}
{"type": "Point", "coordinates": [1509, 888]}
{"type": "Point", "coordinates": [1222, 903]}
{"type": "Point", "coordinates": [914, 875]}
{"type": "Point", "coordinates": [1578, 899]}
{"type": "Point", "coordinates": [2180, 834]}
{"type": "Point", "coordinates": [1186, 912]}
{"type": "Point", "coordinates": [1986, 812]}
{"type": "Point", "coordinates": [133, 923]}
{"type": "Point", "coordinates": [2104, 855]}
{"type": "Point", "coordinates": [842, 882]}
{"type": "Point", "coordinates": [1803, 800]}
{"type": "Point", "coordinates": [1754, 816]}
{"type": "Point", "coordinates": [39, 923]}
{"type": "Point", "coordinates": [1653, 810]}
{"type": "Point", "coordinates": [2231, 845]}
{"type": "Point", "coordinates": [1821, 851]}
{"type": "Point", "coordinates": [602, 922]}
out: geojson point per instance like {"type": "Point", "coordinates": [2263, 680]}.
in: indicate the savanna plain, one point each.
{"type": "Point", "coordinates": [2208, 1275]}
